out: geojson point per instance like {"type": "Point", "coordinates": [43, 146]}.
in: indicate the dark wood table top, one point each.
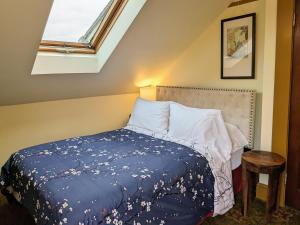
{"type": "Point", "coordinates": [263, 158]}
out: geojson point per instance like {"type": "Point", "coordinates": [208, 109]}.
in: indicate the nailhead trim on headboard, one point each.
{"type": "Point", "coordinates": [252, 93]}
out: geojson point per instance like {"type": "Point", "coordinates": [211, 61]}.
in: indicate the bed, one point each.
{"type": "Point", "coordinates": [129, 177]}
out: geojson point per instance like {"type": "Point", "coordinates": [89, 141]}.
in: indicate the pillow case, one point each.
{"type": "Point", "coordinates": [152, 116]}
{"type": "Point", "coordinates": [201, 127]}
{"type": "Point", "coordinates": [185, 122]}
{"type": "Point", "coordinates": [237, 138]}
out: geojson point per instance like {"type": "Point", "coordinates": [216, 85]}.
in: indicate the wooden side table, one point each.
{"type": "Point", "coordinates": [253, 163]}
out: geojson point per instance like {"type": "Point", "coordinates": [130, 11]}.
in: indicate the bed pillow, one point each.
{"type": "Point", "coordinates": [152, 116]}
{"type": "Point", "coordinates": [201, 127]}
{"type": "Point", "coordinates": [185, 122]}
{"type": "Point", "coordinates": [237, 138]}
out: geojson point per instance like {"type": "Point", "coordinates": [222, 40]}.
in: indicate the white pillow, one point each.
{"type": "Point", "coordinates": [184, 122]}
{"type": "Point", "coordinates": [202, 127]}
{"type": "Point", "coordinates": [151, 116]}
{"type": "Point", "coordinates": [237, 138]}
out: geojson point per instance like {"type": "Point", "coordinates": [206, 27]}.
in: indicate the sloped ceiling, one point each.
{"type": "Point", "coordinates": [162, 30]}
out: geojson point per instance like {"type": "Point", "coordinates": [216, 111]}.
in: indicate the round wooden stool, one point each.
{"type": "Point", "coordinates": [253, 163]}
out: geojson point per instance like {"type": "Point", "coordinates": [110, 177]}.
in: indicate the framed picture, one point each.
{"type": "Point", "coordinates": [238, 47]}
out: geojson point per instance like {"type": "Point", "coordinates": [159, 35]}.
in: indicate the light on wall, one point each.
{"type": "Point", "coordinates": [148, 92]}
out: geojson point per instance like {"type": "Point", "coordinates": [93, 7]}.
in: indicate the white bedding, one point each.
{"type": "Point", "coordinates": [150, 115]}
{"type": "Point", "coordinates": [203, 130]}
{"type": "Point", "coordinates": [220, 164]}
{"type": "Point", "coordinates": [200, 126]}
{"type": "Point", "coordinates": [236, 158]}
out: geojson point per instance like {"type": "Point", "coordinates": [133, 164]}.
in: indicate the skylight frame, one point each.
{"type": "Point", "coordinates": [100, 35]}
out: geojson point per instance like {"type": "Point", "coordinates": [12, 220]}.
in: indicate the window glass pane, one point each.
{"type": "Point", "coordinates": [75, 20]}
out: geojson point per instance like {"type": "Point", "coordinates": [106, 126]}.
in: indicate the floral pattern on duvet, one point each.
{"type": "Point", "coordinates": [118, 177]}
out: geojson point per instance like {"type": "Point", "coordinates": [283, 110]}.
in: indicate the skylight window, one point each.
{"type": "Point", "coordinates": [79, 26]}
{"type": "Point", "coordinates": [69, 20]}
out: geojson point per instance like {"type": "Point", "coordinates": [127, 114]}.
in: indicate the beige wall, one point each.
{"type": "Point", "coordinates": [283, 80]}
{"type": "Point", "coordinates": [155, 38]}
{"type": "Point", "coordinates": [199, 65]}
{"type": "Point", "coordinates": [31, 124]}
{"type": "Point", "coordinates": [282, 88]}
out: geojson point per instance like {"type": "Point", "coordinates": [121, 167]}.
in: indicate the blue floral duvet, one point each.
{"type": "Point", "coordinates": [118, 177]}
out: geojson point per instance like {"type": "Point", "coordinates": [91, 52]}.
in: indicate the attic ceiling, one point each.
{"type": "Point", "coordinates": [162, 30]}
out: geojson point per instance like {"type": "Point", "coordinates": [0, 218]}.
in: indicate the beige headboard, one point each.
{"type": "Point", "coordinates": [237, 105]}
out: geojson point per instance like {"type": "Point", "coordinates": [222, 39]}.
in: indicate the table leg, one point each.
{"type": "Point", "coordinates": [272, 200]}
{"type": "Point", "coordinates": [252, 182]}
{"type": "Point", "coordinates": [279, 191]}
{"type": "Point", "coordinates": [245, 189]}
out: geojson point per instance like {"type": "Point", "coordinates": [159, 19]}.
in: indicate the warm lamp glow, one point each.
{"type": "Point", "coordinates": [144, 83]}
{"type": "Point", "coordinates": [148, 92]}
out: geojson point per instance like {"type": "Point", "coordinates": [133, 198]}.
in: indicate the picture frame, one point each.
{"type": "Point", "coordinates": [238, 44]}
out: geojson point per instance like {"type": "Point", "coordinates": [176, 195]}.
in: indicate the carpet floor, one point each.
{"type": "Point", "coordinates": [256, 216]}
{"type": "Point", "coordinates": [12, 214]}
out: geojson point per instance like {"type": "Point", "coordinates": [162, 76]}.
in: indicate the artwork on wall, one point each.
{"type": "Point", "coordinates": [238, 47]}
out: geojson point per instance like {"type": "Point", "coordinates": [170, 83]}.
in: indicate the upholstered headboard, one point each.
{"type": "Point", "coordinates": [237, 105]}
